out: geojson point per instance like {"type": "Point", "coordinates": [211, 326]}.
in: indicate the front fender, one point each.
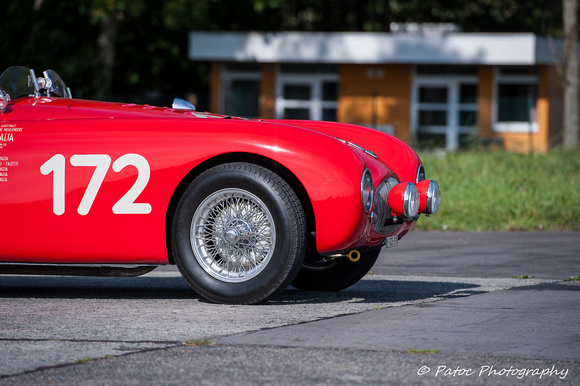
{"type": "Point", "coordinates": [329, 171]}
{"type": "Point", "coordinates": [396, 154]}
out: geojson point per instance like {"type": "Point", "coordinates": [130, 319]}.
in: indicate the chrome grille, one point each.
{"type": "Point", "coordinates": [383, 221]}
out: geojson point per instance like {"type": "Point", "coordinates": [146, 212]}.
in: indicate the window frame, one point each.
{"type": "Point", "coordinates": [228, 76]}
{"type": "Point", "coordinates": [452, 130]}
{"type": "Point", "coordinates": [514, 79]}
{"type": "Point", "coordinates": [315, 80]}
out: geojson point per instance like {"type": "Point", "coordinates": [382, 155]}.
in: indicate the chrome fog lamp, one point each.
{"type": "Point", "coordinates": [404, 200]}
{"type": "Point", "coordinates": [430, 196]}
{"type": "Point", "coordinates": [367, 190]}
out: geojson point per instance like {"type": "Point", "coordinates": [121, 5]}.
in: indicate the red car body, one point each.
{"type": "Point", "coordinates": [86, 182]}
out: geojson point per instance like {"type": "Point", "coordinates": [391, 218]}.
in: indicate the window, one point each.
{"type": "Point", "coordinates": [516, 91]}
{"type": "Point", "coordinates": [467, 114]}
{"type": "Point", "coordinates": [242, 97]}
{"type": "Point", "coordinates": [241, 90]}
{"type": "Point", "coordinates": [307, 92]}
{"type": "Point", "coordinates": [515, 102]}
{"type": "Point", "coordinates": [301, 92]}
{"type": "Point", "coordinates": [444, 109]}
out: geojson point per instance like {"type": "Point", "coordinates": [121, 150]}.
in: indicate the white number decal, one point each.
{"type": "Point", "coordinates": [127, 204]}
{"type": "Point", "coordinates": [101, 162]}
{"type": "Point", "coordinates": [55, 165]}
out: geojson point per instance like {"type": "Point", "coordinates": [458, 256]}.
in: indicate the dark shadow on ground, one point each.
{"type": "Point", "coordinates": [369, 291]}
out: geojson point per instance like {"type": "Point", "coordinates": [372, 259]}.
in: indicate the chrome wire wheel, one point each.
{"type": "Point", "coordinates": [238, 234]}
{"type": "Point", "coordinates": [233, 235]}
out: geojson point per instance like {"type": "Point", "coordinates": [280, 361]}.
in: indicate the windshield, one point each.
{"type": "Point", "coordinates": [58, 87]}
{"type": "Point", "coordinates": [14, 82]}
{"type": "Point", "coordinates": [18, 81]}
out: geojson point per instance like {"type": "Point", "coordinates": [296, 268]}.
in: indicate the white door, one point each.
{"type": "Point", "coordinates": [307, 96]}
{"type": "Point", "coordinates": [444, 109]}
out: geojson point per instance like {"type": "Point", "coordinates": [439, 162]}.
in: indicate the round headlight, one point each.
{"type": "Point", "coordinates": [404, 200]}
{"type": "Point", "coordinates": [411, 201]}
{"type": "Point", "coordinates": [430, 196]}
{"type": "Point", "coordinates": [434, 197]}
{"type": "Point", "coordinates": [367, 190]}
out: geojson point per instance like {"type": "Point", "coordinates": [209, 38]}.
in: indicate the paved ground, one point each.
{"type": "Point", "coordinates": [441, 308]}
{"type": "Point", "coordinates": [545, 255]}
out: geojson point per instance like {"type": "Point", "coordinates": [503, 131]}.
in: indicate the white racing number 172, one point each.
{"type": "Point", "coordinates": [101, 162]}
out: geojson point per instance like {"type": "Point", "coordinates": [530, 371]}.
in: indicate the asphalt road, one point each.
{"type": "Point", "coordinates": [441, 308]}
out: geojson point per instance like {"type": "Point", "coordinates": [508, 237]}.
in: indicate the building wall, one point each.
{"type": "Point", "coordinates": [380, 96]}
{"type": "Point", "coordinates": [533, 142]}
{"type": "Point", "coordinates": [215, 89]}
{"type": "Point", "coordinates": [556, 108]}
{"type": "Point", "coordinates": [376, 95]}
{"type": "Point", "coordinates": [541, 138]}
{"type": "Point", "coordinates": [485, 102]}
{"type": "Point", "coordinates": [268, 94]}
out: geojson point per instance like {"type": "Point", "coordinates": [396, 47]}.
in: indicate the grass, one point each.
{"type": "Point", "coordinates": [198, 342]}
{"type": "Point", "coordinates": [378, 306]}
{"type": "Point", "coordinates": [573, 278]}
{"type": "Point", "coordinates": [421, 351]}
{"type": "Point", "coordinates": [85, 360]}
{"type": "Point", "coordinates": [501, 191]}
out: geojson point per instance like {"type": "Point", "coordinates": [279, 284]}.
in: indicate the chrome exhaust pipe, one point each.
{"type": "Point", "coordinates": [353, 255]}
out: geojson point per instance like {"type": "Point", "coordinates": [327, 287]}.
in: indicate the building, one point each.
{"type": "Point", "coordinates": [438, 88]}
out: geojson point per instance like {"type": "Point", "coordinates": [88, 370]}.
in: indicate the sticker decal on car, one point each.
{"type": "Point", "coordinates": [101, 162]}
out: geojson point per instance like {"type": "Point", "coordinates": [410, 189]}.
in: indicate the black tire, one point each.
{"type": "Point", "coordinates": [318, 274]}
{"type": "Point", "coordinates": [239, 234]}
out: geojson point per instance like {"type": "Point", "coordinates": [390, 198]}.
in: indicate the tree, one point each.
{"type": "Point", "coordinates": [109, 15]}
{"type": "Point", "coordinates": [570, 13]}
{"type": "Point", "coordinates": [133, 49]}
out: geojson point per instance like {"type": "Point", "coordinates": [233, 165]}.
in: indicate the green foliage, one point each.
{"type": "Point", "coordinates": [537, 16]}
{"type": "Point", "coordinates": [180, 15]}
{"type": "Point", "coordinates": [100, 10]}
{"type": "Point", "coordinates": [48, 34]}
{"type": "Point", "coordinates": [150, 37]}
{"type": "Point", "coordinates": [84, 360]}
{"type": "Point", "coordinates": [198, 342]}
{"type": "Point", "coordinates": [421, 351]}
{"type": "Point", "coordinates": [496, 190]}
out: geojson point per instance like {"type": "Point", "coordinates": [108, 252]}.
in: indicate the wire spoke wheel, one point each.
{"type": "Point", "coordinates": [233, 235]}
{"type": "Point", "coordinates": [239, 234]}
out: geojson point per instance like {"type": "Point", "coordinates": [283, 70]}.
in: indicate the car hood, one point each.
{"type": "Point", "coordinates": [131, 110]}
{"type": "Point", "coordinates": [384, 146]}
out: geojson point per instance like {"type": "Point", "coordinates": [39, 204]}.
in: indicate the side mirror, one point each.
{"type": "Point", "coordinates": [182, 104]}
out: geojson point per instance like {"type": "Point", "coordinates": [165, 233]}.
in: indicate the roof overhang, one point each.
{"type": "Point", "coordinates": [369, 48]}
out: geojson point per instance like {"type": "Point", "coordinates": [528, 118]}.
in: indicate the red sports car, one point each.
{"type": "Point", "coordinates": [244, 208]}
